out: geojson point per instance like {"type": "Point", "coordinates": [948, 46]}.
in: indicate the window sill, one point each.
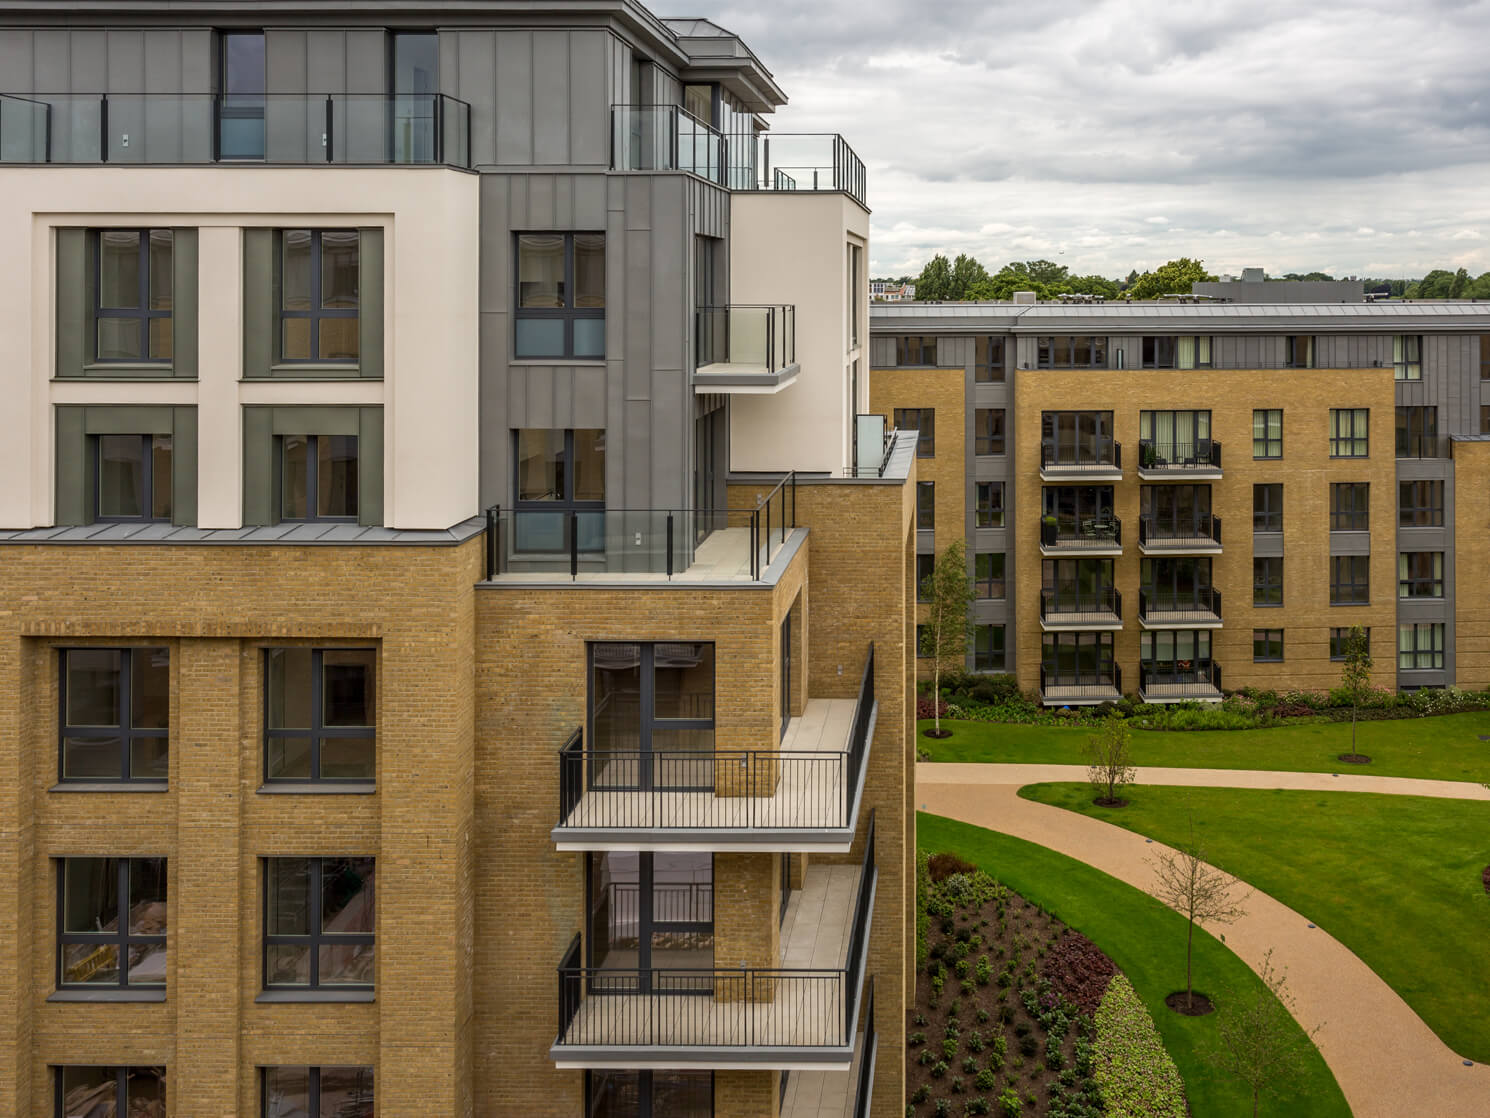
{"type": "Point", "coordinates": [109, 786]}
{"type": "Point", "coordinates": [312, 370]}
{"type": "Point", "coordinates": [317, 788]}
{"type": "Point", "coordinates": [307, 997]}
{"type": "Point", "coordinates": [118, 994]}
{"type": "Point", "coordinates": [592, 362]}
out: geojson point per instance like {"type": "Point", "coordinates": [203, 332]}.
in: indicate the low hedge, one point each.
{"type": "Point", "coordinates": [1134, 1073]}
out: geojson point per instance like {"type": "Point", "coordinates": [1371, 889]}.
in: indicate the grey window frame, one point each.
{"type": "Point", "coordinates": [1431, 515]}
{"type": "Point", "coordinates": [1355, 588]}
{"type": "Point", "coordinates": [1419, 649]}
{"type": "Point", "coordinates": [646, 1104]}
{"type": "Point", "coordinates": [122, 1074]}
{"type": "Point", "coordinates": [1339, 635]}
{"type": "Point", "coordinates": [568, 314]}
{"type": "Point", "coordinates": [1267, 581]}
{"type": "Point", "coordinates": [147, 479]}
{"type": "Point", "coordinates": [925, 509]}
{"type": "Point", "coordinates": [1485, 356]}
{"type": "Point", "coordinates": [141, 314]}
{"type": "Point", "coordinates": [923, 422]}
{"type": "Point", "coordinates": [1353, 515]}
{"type": "Point", "coordinates": [1271, 446]}
{"type": "Point", "coordinates": [1272, 518]}
{"type": "Point", "coordinates": [994, 365]}
{"type": "Point", "coordinates": [1408, 581]}
{"type": "Point", "coordinates": [930, 564]}
{"type": "Point", "coordinates": [915, 346]}
{"type": "Point", "coordinates": [316, 311]}
{"type": "Point", "coordinates": [313, 1079]}
{"type": "Point", "coordinates": [313, 480]}
{"type": "Point", "coordinates": [1058, 351]}
{"type": "Point", "coordinates": [120, 937]}
{"type": "Point", "coordinates": [1409, 361]}
{"type": "Point", "coordinates": [1352, 444]}
{"type": "Point", "coordinates": [1292, 343]}
{"type": "Point", "coordinates": [1150, 356]}
{"type": "Point", "coordinates": [1485, 419]}
{"type": "Point", "coordinates": [1415, 430]}
{"type": "Point", "coordinates": [998, 640]}
{"type": "Point", "coordinates": [984, 585]}
{"type": "Point", "coordinates": [992, 441]}
{"type": "Point", "coordinates": [1267, 639]}
{"type": "Point", "coordinates": [649, 722]}
{"type": "Point", "coordinates": [125, 732]}
{"type": "Point", "coordinates": [315, 731]}
{"type": "Point", "coordinates": [317, 937]}
{"type": "Point", "coordinates": [989, 513]}
{"type": "Point", "coordinates": [921, 653]}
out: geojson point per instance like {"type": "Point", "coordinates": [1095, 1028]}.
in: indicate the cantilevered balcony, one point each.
{"type": "Point", "coordinates": [1180, 681]}
{"type": "Point", "coordinates": [1099, 608]}
{"type": "Point", "coordinates": [1099, 460]}
{"type": "Point", "coordinates": [802, 796]}
{"type": "Point", "coordinates": [1080, 686]}
{"type": "Point", "coordinates": [1198, 534]}
{"type": "Point", "coordinates": [801, 1014]}
{"type": "Point", "coordinates": [1163, 460]}
{"type": "Point", "coordinates": [1200, 609]}
{"type": "Point", "coordinates": [745, 349]}
{"type": "Point", "coordinates": [1087, 536]}
{"type": "Point", "coordinates": [839, 1094]}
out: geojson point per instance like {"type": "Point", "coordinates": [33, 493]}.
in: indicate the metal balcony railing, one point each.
{"type": "Point", "coordinates": [810, 161]}
{"type": "Point", "coordinates": [759, 337]}
{"type": "Point", "coordinates": [1100, 600]}
{"type": "Point", "coordinates": [1089, 679]}
{"type": "Point", "coordinates": [1154, 531]}
{"type": "Point", "coordinates": [1180, 678]}
{"type": "Point", "coordinates": [864, 1093]}
{"type": "Point", "coordinates": [1105, 455]}
{"type": "Point", "coordinates": [1204, 603]}
{"type": "Point", "coordinates": [1084, 533]}
{"type": "Point", "coordinates": [1199, 454]}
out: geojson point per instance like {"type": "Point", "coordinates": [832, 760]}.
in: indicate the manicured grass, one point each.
{"type": "Point", "coordinates": [1445, 747]}
{"type": "Point", "coordinates": [1394, 878]}
{"type": "Point", "coordinates": [1147, 941]}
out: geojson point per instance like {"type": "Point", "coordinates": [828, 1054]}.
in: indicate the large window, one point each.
{"type": "Point", "coordinates": [320, 714]}
{"type": "Point", "coordinates": [988, 574]}
{"type": "Point", "coordinates": [1076, 438]}
{"type": "Point", "coordinates": [1183, 352]}
{"type": "Point", "coordinates": [560, 295]}
{"type": "Point", "coordinates": [1077, 659]}
{"type": "Point", "coordinates": [1298, 352]}
{"type": "Point", "coordinates": [912, 349]}
{"type": "Point", "coordinates": [134, 477]}
{"type": "Point", "coordinates": [1267, 433]}
{"type": "Point", "coordinates": [1420, 574]}
{"type": "Point", "coordinates": [922, 421]}
{"type": "Point", "coordinates": [1340, 641]}
{"type": "Point", "coordinates": [1175, 655]}
{"type": "Point", "coordinates": [1420, 504]}
{"type": "Point", "coordinates": [319, 295]}
{"type": "Point", "coordinates": [318, 477]}
{"type": "Point", "coordinates": [102, 1092]}
{"type": "Point", "coordinates": [925, 505]}
{"type": "Point", "coordinates": [1350, 580]}
{"type": "Point", "coordinates": [651, 911]}
{"type": "Point", "coordinates": [649, 1094]}
{"type": "Point", "coordinates": [1485, 356]}
{"type": "Point", "coordinates": [1267, 646]}
{"type": "Point", "coordinates": [988, 360]}
{"type": "Point", "coordinates": [319, 923]}
{"type": "Point", "coordinates": [1174, 438]}
{"type": "Point", "coordinates": [240, 133]}
{"type": "Point", "coordinates": [1407, 356]}
{"type": "Point", "coordinates": [1420, 646]}
{"type": "Point", "coordinates": [1417, 432]}
{"type": "Point", "coordinates": [1350, 506]}
{"type": "Point", "coordinates": [989, 509]}
{"type": "Point", "coordinates": [111, 926]}
{"type": "Point", "coordinates": [1267, 580]}
{"type": "Point", "coordinates": [988, 648]}
{"type": "Point", "coordinates": [988, 431]}
{"type": "Point", "coordinates": [559, 472]}
{"type": "Point", "coordinates": [1267, 507]}
{"type": "Point", "coordinates": [925, 565]}
{"type": "Point", "coordinates": [132, 312]}
{"type": "Point", "coordinates": [1078, 585]}
{"type": "Point", "coordinates": [1180, 582]}
{"type": "Point", "coordinates": [1081, 512]}
{"type": "Point", "coordinates": [115, 714]}
{"type": "Point", "coordinates": [1071, 352]}
{"type": "Point", "coordinates": [651, 721]}
{"type": "Point", "coordinates": [1176, 511]}
{"type": "Point", "coordinates": [324, 1092]}
{"type": "Point", "coordinates": [1348, 432]}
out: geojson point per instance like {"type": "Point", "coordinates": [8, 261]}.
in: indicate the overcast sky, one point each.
{"type": "Point", "coordinates": [1353, 138]}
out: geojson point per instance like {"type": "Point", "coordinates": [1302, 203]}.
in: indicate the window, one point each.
{"type": "Point", "coordinates": [988, 360]}
{"type": "Point", "coordinates": [320, 714]}
{"type": "Point", "coordinates": [415, 65]}
{"type": "Point", "coordinates": [988, 648]}
{"type": "Point", "coordinates": [1267, 508]}
{"type": "Point", "coordinates": [1067, 352]}
{"type": "Point", "coordinates": [111, 923]}
{"type": "Point", "coordinates": [925, 505]}
{"type": "Point", "coordinates": [912, 349]}
{"type": "Point", "coordinates": [1083, 513]}
{"type": "Point", "coordinates": [1267, 580]}
{"type": "Point", "coordinates": [1076, 438]}
{"type": "Point", "coordinates": [1350, 580]}
{"type": "Point", "coordinates": [988, 574]}
{"type": "Point", "coordinates": [137, 1092]}
{"type": "Point", "coordinates": [1174, 438]}
{"type": "Point", "coordinates": [1420, 574]}
{"type": "Point", "coordinates": [1420, 504]}
{"type": "Point", "coordinates": [988, 431]}
{"type": "Point", "coordinates": [1420, 646]}
{"type": "Point", "coordinates": [319, 923]}
{"type": "Point", "coordinates": [1185, 352]}
{"type": "Point", "coordinates": [1077, 659]}
{"type": "Point", "coordinates": [1417, 432]}
{"type": "Point", "coordinates": [921, 652]}
{"type": "Point", "coordinates": [1485, 356]}
{"type": "Point", "coordinates": [240, 133]}
{"type": "Point", "coordinates": [1180, 582]}
{"type": "Point", "coordinates": [1407, 356]}
{"type": "Point", "coordinates": [1267, 646]}
{"type": "Point", "coordinates": [134, 477]}
{"type": "Point", "coordinates": [1175, 655]}
{"type": "Point", "coordinates": [1340, 640]}
{"type": "Point", "coordinates": [922, 420]}
{"type": "Point", "coordinates": [1078, 586]}
{"type": "Point", "coordinates": [326, 1092]}
{"type": "Point", "coordinates": [132, 312]}
{"type": "Point", "coordinates": [1298, 352]}
{"type": "Point", "coordinates": [560, 295]}
{"type": "Point", "coordinates": [855, 291]}
{"type": "Point", "coordinates": [115, 714]}
{"type": "Point", "coordinates": [559, 472]}
{"type": "Point", "coordinates": [990, 504]}
{"type": "Point", "coordinates": [649, 1094]}
{"type": "Point", "coordinates": [1267, 433]}
{"type": "Point", "coordinates": [1348, 436]}
{"type": "Point", "coordinates": [652, 712]}
{"type": "Point", "coordinates": [651, 910]}
{"type": "Point", "coordinates": [925, 564]}
{"type": "Point", "coordinates": [1485, 419]}
{"type": "Point", "coordinates": [1176, 512]}
{"type": "Point", "coordinates": [319, 294]}
{"type": "Point", "coordinates": [318, 475]}
{"type": "Point", "coordinates": [1350, 506]}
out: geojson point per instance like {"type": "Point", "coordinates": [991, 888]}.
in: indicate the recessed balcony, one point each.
{"type": "Point", "coordinates": [745, 349]}
{"type": "Point", "coordinates": [1196, 459]}
{"type": "Point", "coordinates": [1099, 608]}
{"type": "Point", "coordinates": [1190, 535]}
{"type": "Point", "coordinates": [1180, 681]}
{"type": "Point", "coordinates": [1098, 461]}
{"type": "Point", "coordinates": [1200, 609]}
{"type": "Point", "coordinates": [1086, 536]}
{"type": "Point", "coordinates": [1080, 687]}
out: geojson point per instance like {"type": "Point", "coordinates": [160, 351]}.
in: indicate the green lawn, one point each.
{"type": "Point", "coordinates": [1147, 941]}
{"type": "Point", "coordinates": [1394, 878]}
{"type": "Point", "coordinates": [1446, 747]}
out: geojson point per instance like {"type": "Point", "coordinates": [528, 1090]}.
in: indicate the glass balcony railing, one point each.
{"type": "Point", "coordinates": [665, 138]}
{"type": "Point", "coordinates": [810, 161]}
{"type": "Point", "coordinates": [419, 129]}
{"type": "Point", "coordinates": [761, 339]}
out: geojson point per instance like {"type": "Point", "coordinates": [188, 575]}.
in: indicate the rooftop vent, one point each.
{"type": "Point", "coordinates": [1024, 297]}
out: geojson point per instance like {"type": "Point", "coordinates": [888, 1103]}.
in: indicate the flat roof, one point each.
{"type": "Point", "coordinates": [1120, 317]}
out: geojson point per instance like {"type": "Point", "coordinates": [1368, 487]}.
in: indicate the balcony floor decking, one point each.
{"type": "Point", "coordinates": [825, 1094]}
{"type": "Point", "coordinates": [1086, 619]}
{"type": "Point", "coordinates": [1179, 619]}
{"type": "Point", "coordinates": [1180, 545]}
{"type": "Point", "coordinates": [1179, 693]}
{"type": "Point", "coordinates": [723, 556]}
{"type": "Point", "coordinates": [1079, 694]}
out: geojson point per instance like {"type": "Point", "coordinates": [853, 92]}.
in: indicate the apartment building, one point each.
{"type": "Point", "coordinates": [1089, 457]}
{"type": "Point", "coordinates": [454, 650]}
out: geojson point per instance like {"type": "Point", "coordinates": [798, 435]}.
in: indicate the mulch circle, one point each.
{"type": "Point", "coordinates": [1103, 801]}
{"type": "Point", "coordinates": [1354, 758]}
{"type": "Point", "coordinates": [1485, 878]}
{"type": "Point", "coordinates": [938, 734]}
{"type": "Point", "coordinates": [1196, 1005]}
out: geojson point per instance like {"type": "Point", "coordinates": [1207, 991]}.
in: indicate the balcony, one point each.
{"type": "Point", "coordinates": [745, 349]}
{"type": "Point", "coordinates": [532, 543]}
{"type": "Point", "coordinates": [811, 162]}
{"type": "Point", "coordinates": [803, 796]}
{"type": "Point", "coordinates": [1180, 681]}
{"type": "Point", "coordinates": [1179, 461]}
{"type": "Point", "coordinates": [419, 129]}
{"type": "Point", "coordinates": [838, 1094]}
{"type": "Point", "coordinates": [1422, 446]}
{"type": "Point", "coordinates": [1085, 536]}
{"type": "Point", "coordinates": [1103, 462]}
{"type": "Point", "coordinates": [1079, 687]}
{"type": "Point", "coordinates": [1202, 610]}
{"type": "Point", "coordinates": [1198, 535]}
{"type": "Point", "coordinates": [1070, 611]}
{"type": "Point", "coordinates": [800, 1014]}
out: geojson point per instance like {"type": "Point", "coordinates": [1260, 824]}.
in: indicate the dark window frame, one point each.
{"type": "Point", "coordinates": [1485, 419]}
{"type": "Point", "coordinates": [1298, 351]}
{"type": "Point", "coordinates": [995, 658]}
{"type": "Point", "coordinates": [1338, 637]}
{"type": "Point", "coordinates": [988, 359]}
{"type": "Point", "coordinates": [1411, 513]}
{"type": "Point", "coordinates": [1352, 514]}
{"type": "Point", "coordinates": [1416, 431]}
{"type": "Point", "coordinates": [1350, 580]}
{"type": "Point", "coordinates": [1161, 577]}
{"type": "Point", "coordinates": [1169, 516]}
{"type": "Point", "coordinates": [1060, 351]}
{"type": "Point", "coordinates": [316, 312]}
{"type": "Point", "coordinates": [923, 422]}
{"type": "Point", "coordinates": [993, 440]}
{"type": "Point", "coordinates": [318, 937]}
{"type": "Point", "coordinates": [122, 1074]}
{"type": "Point", "coordinates": [648, 721]}
{"type": "Point", "coordinates": [988, 513]}
{"type": "Point", "coordinates": [126, 732]}
{"type": "Point", "coordinates": [1347, 439]}
{"type": "Point", "coordinates": [313, 480]}
{"type": "Point", "coordinates": [1162, 351]}
{"type": "Point", "coordinates": [915, 351]}
{"type": "Point", "coordinates": [1267, 581]}
{"type": "Point", "coordinates": [121, 937]}
{"type": "Point", "coordinates": [568, 314]}
{"type": "Point", "coordinates": [921, 654]}
{"type": "Point", "coordinates": [147, 479]}
{"type": "Point", "coordinates": [313, 1079]}
{"type": "Point", "coordinates": [930, 564]}
{"type": "Point", "coordinates": [1074, 647]}
{"type": "Point", "coordinates": [1419, 649]}
{"type": "Point", "coordinates": [984, 585]}
{"type": "Point", "coordinates": [1090, 432]}
{"type": "Point", "coordinates": [1268, 639]}
{"type": "Point", "coordinates": [1270, 445]}
{"type": "Point", "coordinates": [143, 314]}
{"type": "Point", "coordinates": [1409, 365]}
{"type": "Point", "coordinates": [1408, 581]}
{"type": "Point", "coordinates": [315, 731]}
{"type": "Point", "coordinates": [645, 1087]}
{"type": "Point", "coordinates": [1271, 519]}
{"type": "Point", "coordinates": [925, 509]}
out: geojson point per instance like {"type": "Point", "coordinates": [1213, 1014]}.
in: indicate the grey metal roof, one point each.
{"type": "Point", "coordinates": [292, 535]}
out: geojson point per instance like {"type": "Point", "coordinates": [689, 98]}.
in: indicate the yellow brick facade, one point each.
{"type": "Point", "coordinates": [1471, 561]}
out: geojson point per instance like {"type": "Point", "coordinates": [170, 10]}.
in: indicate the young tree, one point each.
{"type": "Point", "coordinates": [948, 592]}
{"type": "Point", "coordinates": [1355, 681]}
{"type": "Point", "coordinates": [1199, 892]}
{"type": "Point", "coordinates": [1109, 757]}
{"type": "Point", "coordinates": [1259, 1043]}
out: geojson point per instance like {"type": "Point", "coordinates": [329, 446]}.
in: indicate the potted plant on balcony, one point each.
{"type": "Point", "coordinates": [948, 592]}
{"type": "Point", "coordinates": [1049, 529]}
{"type": "Point", "coordinates": [1146, 456]}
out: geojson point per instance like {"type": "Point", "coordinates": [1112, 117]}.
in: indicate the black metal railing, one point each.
{"type": "Point", "coordinates": [161, 128]}
{"type": "Point", "coordinates": [1102, 599]}
{"type": "Point", "coordinates": [864, 1093]}
{"type": "Point", "coordinates": [1205, 600]}
{"type": "Point", "coordinates": [1078, 533]}
{"type": "Point", "coordinates": [1199, 677]}
{"type": "Point", "coordinates": [1153, 530]}
{"type": "Point", "coordinates": [859, 931]}
{"type": "Point", "coordinates": [1196, 454]}
{"type": "Point", "coordinates": [1095, 679]}
{"type": "Point", "coordinates": [755, 335]}
{"type": "Point", "coordinates": [633, 789]}
{"type": "Point", "coordinates": [1105, 454]}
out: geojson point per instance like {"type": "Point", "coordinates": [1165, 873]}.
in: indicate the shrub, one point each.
{"type": "Point", "coordinates": [1028, 1045]}
{"type": "Point", "coordinates": [943, 1108]}
{"type": "Point", "coordinates": [1133, 1071]}
{"type": "Point", "coordinates": [939, 1069]}
{"type": "Point", "coordinates": [922, 1093]}
{"type": "Point", "coordinates": [975, 1041]}
{"type": "Point", "coordinates": [943, 866]}
{"type": "Point", "coordinates": [925, 709]}
{"type": "Point", "coordinates": [915, 1040]}
{"type": "Point", "coordinates": [970, 1065]}
{"type": "Point", "coordinates": [978, 1105]}
{"type": "Point", "coordinates": [987, 1079]}
{"type": "Point", "coordinates": [957, 1085]}
{"type": "Point", "coordinates": [949, 1048]}
{"type": "Point", "coordinates": [1009, 1103]}
{"type": "Point", "coordinates": [969, 987]}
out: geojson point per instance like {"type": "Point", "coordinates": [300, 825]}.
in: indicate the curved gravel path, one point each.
{"type": "Point", "coordinates": [1386, 1060]}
